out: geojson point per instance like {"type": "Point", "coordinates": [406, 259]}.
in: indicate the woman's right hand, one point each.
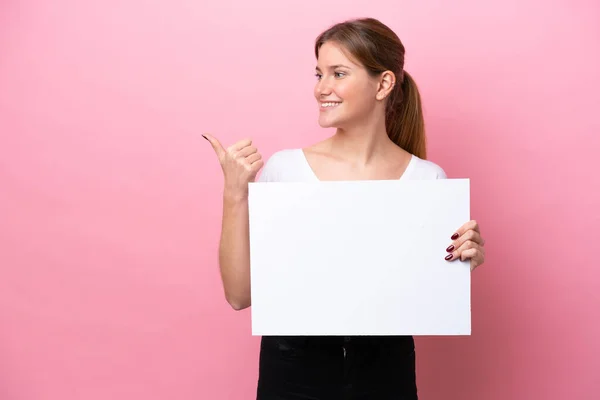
{"type": "Point", "coordinates": [240, 163]}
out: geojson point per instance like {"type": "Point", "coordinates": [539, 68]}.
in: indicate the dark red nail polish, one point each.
{"type": "Point", "coordinates": [450, 248]}
{"type": "Point", "coordinates": [448, 257]}
{"type": "Point", "coordinates": [455, 236]}
{"type": "Point", "coordinates": [204, 137]}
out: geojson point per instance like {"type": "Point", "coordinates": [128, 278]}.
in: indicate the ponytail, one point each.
{"type": "Point", "coordinates": [379, 49]}
{"type": "Point", "coordinates": [404, 117]}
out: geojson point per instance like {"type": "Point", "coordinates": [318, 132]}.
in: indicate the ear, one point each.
{"type": "Point", "coordinates": [386, 84]}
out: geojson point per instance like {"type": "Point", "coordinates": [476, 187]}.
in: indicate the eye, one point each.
{"type": "Point", "coordinates": [318, 76]}
{"type": "Point", "coordinates": [339, 74]}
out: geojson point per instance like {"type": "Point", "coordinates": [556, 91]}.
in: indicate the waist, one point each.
{"type": "Point", "coordinates": [325, 344]}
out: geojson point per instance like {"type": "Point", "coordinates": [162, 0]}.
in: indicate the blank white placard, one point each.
{"type": "Point", "coordinates": [358, 258]}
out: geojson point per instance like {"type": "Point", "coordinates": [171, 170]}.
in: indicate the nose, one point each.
{"type": "Point", "coordinates": [323, 87]}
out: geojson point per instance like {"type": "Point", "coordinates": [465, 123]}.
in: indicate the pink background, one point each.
{"type": "Point", "coordinates": [110, 199]}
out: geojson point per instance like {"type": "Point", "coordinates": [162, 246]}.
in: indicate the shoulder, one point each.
{"type": "Point", "coordinates": [425, 169]}
{"type": "Point", "coordinates": [278, 163]}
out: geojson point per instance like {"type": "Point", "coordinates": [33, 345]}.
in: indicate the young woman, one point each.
{"type": "Point", "coordinates": [363, 91]}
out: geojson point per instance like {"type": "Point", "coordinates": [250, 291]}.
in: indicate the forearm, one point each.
{"type": "Point", "coordinates": [234, 251]}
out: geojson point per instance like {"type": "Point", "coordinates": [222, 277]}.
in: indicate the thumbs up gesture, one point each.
{"type": "Point", "coordinates": [240, 163]}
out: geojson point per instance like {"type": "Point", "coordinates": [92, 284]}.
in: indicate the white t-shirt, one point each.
{"type": "Point", "coordinates": [290, 165]}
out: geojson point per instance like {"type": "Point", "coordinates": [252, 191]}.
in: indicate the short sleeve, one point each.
{"type": "Point", "coordinates": [270, 171]}
{"type": "Point", "coordinates": [440, 173]}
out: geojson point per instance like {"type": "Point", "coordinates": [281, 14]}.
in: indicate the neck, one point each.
{"type": "Point", "coordinates": [361, 143]}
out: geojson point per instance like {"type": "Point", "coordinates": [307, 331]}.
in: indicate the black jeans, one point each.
{"type": "Point", "coordinates": [337, 368]}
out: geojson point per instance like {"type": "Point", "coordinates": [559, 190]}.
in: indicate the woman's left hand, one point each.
{"type": "Point", "coordinates": [467, 244]}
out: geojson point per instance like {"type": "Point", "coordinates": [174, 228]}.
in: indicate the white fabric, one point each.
{"type": "Point", "coordinates": [290, 165]}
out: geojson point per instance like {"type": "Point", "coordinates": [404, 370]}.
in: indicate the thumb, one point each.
{"type": "Point", "coordinates": [216, 145]}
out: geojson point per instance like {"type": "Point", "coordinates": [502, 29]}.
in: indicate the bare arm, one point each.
{"type": "Point", "coordinates": [240, 163]}
{"type": "Point", "coordinates": [234, 251]}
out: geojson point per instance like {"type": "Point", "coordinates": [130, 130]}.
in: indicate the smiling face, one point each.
{"type": "Point", "coordinates": [345, 92]}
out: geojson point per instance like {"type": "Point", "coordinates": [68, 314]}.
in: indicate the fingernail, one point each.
{"type": "Point", "coordinates": [448, 257]}
{"type": "Point", "coordinates": [204, 137]}
{"type": "Point", "coordinates": [454, 237]}
{"type": "Point", "coordinates": [450, 248]}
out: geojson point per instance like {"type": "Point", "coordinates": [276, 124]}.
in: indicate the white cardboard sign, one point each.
{"type": "Point", "coordinates": [358, 258]}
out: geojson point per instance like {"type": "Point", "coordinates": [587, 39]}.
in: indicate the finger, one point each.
{"type": "Point", "coordinates": [216, 145]}
{"type": "Point", "coordinates": [240, 145]}
{"type": "Point", "coordinates": [245, 152]}
{"type": "Point", "coordinates": [469, 254]}
{"type": "Point", "coordinates": [251, 159]}
{"type": "Point", "coordinates": [471, 225]}
{"type": "Point", "coordinates": [477, 260]}
{"type": "Point", "coordinates": [458, 253]}
{"type": "Point", "coordinates": [471, 235]}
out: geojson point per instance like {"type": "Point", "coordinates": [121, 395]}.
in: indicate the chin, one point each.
{"type": "Point", "coordinates": [329, 123]}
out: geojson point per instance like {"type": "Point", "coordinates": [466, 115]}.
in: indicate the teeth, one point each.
{"type": "Point", "coordinates": [330, 104]}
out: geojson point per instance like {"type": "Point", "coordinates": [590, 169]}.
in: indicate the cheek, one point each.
{"type": "Point", "coordinates": [357, 95]}
{"type": "Point", "coordinates": [345, 90]}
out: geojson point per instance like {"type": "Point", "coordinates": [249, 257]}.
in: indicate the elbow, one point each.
{"type": "Point", "coordinates": [237, 303]}
{"type": "Point", "coordinates": [239, 306]}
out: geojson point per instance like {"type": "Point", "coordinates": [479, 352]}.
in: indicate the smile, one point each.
{"type": "Point", "coordinates": [330, 104]}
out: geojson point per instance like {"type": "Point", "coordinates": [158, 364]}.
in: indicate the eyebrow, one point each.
{"type": "Point", "coordinates": [334, 67]}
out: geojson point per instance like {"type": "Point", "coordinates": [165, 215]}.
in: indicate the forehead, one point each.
{"type": "Point", "coordinates": [332, 54]}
